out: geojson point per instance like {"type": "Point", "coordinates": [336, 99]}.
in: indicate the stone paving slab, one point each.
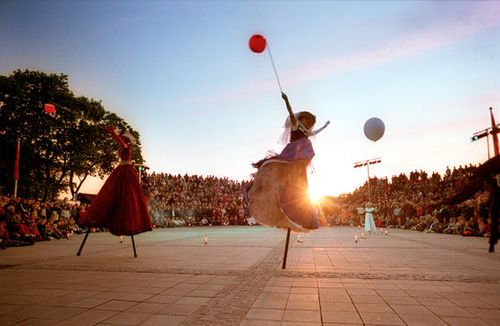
{"type": "Point", "coordinates": [402, 278]}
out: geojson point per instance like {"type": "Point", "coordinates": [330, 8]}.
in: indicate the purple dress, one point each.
{"type": "Point", "coordinates": [297, 150]}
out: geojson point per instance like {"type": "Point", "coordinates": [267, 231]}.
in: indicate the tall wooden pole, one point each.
{"type": "Point", "coordinates": [286, 248]}
{"type": "Point", "coordinates": [16, 166]}
{"type": "Point", "coordinates": [369, 188]}
{"type": "Point", "coordinates": [83, 242]}
{"type": "Point", "coordinates": [133, 246]}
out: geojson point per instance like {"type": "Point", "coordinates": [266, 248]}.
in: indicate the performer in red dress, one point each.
{"type": "Point", "coordinates": [120, 205]}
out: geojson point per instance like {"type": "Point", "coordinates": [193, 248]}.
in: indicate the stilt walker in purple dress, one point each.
{"type": "Point", "coordinates": [278, 195]}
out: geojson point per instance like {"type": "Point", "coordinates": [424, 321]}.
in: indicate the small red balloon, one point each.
{"type": "Point", "coordinates": [257, 43]}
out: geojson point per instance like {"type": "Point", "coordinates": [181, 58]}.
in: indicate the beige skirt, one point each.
{"type": "Point", "coordinates": [279, 196]}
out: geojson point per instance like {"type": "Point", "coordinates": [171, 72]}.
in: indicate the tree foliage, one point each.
{"type": "Point", "coordinates": [58, 151]}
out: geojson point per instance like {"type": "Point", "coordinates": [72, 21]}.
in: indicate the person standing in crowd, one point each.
{"type": "Point", "coordinates": [369, 221]}
{"type": "Point", "coordinates": [284, 178]}
{"type": "Point", "coordinates": [120, 205]}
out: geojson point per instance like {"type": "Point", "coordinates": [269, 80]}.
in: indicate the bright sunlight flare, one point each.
{"type": "Point", "coordinates": [317, 190]}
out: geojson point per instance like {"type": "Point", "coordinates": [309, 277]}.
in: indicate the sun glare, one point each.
{"type": "Point", "coordinates": [316, 191]}
{"type": "Point", "coordinates": [314, 196]}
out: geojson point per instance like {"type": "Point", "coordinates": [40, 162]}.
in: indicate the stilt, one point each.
{"type": "Point", "coordinates": [83, 243]}
{"type": "Point", "coordinates": [133, 245]}
{"type": "Point", "coordinates": [286, 248]}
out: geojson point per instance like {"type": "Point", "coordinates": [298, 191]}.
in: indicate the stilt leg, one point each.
{"type": "Point", "coordinates": [286, 248]}
{"type": "Point", "coordinates": [133, 245]}
{"type": "Point", "coordinates": [83, 243]}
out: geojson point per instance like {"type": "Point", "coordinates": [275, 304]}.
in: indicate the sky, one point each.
{"type": "Point", "coordinates": [182, 74]}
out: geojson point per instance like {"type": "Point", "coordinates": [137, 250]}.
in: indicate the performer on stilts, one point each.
{"type": "Point", "coordinates": [120, 205]}
{"type": "Point", "coordinates": [278, 196]}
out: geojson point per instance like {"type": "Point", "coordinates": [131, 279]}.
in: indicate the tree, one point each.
{"type": "Point", "coordinates": [56, 150]}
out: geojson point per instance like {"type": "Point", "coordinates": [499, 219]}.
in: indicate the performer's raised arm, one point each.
{"type": "Point", "coordinates": [117, 137]}
{"type": "Point", "coordinates": [293, 119]}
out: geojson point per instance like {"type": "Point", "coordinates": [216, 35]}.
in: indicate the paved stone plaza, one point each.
{"type": "Point", "coordinates": [403, 278]}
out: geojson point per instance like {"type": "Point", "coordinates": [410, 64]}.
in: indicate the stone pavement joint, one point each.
{"type": "Point", "coordinates": [231, 305]}
{"type": "Point", "coordinates": [390, 276]}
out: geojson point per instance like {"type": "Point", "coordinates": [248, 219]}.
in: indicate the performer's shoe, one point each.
{"type": "Point", "coordinates": [492, 248]}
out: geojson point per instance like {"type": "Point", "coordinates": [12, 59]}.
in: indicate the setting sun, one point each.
{"type": "Point", "coordinates": [315, 197]}
{"type": "Point", "coordinates": [317, 190]}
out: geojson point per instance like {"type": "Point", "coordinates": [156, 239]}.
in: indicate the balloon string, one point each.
{"type": "Point", "coordinates": [274, 68]}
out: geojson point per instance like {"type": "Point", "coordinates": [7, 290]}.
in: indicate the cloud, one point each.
{"type": "Point", "coordinates": [433, 37]}
{"type": "Point", "coordinates": [474, 20]}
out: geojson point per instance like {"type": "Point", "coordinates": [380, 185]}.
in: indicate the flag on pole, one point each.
{"type": "Point", "coordinates": [494, 133]}
{"type": "Point", "coordinates": [16, 162]}
{"type": "Point", "coordinates": [49, 108]}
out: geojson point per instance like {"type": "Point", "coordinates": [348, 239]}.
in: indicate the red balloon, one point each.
{"type": "Point", "coordinates": [257, 43]}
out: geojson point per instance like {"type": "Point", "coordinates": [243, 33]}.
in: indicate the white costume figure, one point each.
{"type": "Point", "coordinates": [369, 221]}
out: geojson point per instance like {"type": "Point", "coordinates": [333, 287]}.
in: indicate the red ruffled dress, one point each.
{"type": "Point", "coordinates": [120, 205]}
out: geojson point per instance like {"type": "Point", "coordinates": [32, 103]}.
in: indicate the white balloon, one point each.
{"type": "Point", "coordinates": [374, 129]}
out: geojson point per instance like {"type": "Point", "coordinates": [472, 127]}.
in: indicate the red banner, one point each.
{"type": "Point", "coordinates": [49, 108]}
{"type": "Point", "coordinates": [16, 163]}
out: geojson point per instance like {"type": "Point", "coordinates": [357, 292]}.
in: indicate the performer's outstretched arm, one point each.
{"type": "Point", "coordinates": [317, 131]}
{"type": "Point", "coordinates": [117, 137]}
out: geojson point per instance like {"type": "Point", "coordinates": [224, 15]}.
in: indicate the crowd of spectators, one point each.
{"type": "Point", "coordinates": [25, 221]}
{"type": "Point", "coordinates": [176, 200]}
{"type": "Point", "coordinates": [406, 202]}
{"type": "Point", "coordinates": [411, 202]}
